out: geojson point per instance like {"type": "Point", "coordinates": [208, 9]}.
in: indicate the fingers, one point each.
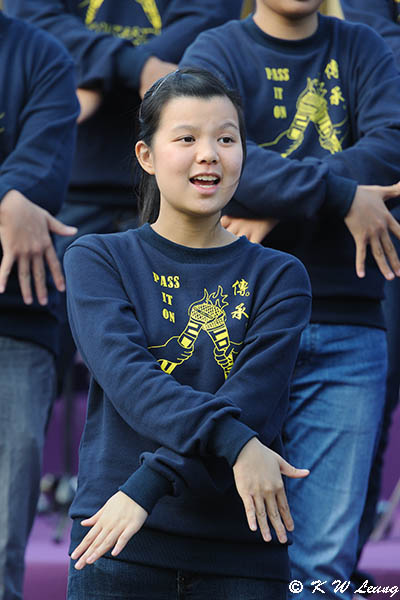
{"type": "Point", "coordinates": [361, 253]}
{"type": "Point", "coordinates": [58, 227]}
{"type": "Point", "coordinates": [250, 512]}
{"type": "Point", "coordinates": [225, 221]}
{"type": "Point", "coordinates": [24, 278]}
{"type": "Point", "coordinates": [261, 515]}
{"type": "Point", "coordinates": [291, 471]}
{"type": "Point", "coordinates": [123, 540]}
{"type": "Point", "coordinates": [273, 506]}
{"type": "Point", "coordinates": [96, 543]}
{"type": "Point", "coordinates": [274, 517]}
{"type": "Point", "coordinates": [391, 191]}
{"type": "Point", "coordinates": [384, 252]}
{"type": "Point", "coordinates": [39, 278]}
{"type": "Point", "coordinates": [33, 267]}
{"type": "Point", "coordinates": [100, 540]}
{"type": "Point", "coordinates": [5, 270]}
{"type": "Point", "coordinates": [284, 510]}
{"type": "Point", "coordinates": [55, 268]}
{"type": "Point", "coordinates": [378, 252]}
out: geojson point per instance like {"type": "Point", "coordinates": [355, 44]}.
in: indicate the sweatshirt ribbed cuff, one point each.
{"type": "Point", "coordinates": [230, 436]}
{"type": "Point", "coordinates": [5, 188]}
{"type": "Point", "coordinates": [340, 194]}
{"type": "Point", "coordinates": [145, 486]}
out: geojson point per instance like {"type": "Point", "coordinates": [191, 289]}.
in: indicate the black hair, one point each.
{"type": "Point", "coordinates": [190, 82]}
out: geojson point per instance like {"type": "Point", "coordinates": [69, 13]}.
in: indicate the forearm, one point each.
{"type": "Point", "coordinates": [291, 188]}
{"type": "Point", "coordinates": [39, 159]}
{"type": "Point", "coordinates": [101, 59]}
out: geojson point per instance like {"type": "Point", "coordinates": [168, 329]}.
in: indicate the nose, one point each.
{"type": "Point", "coordinates": [207, 153]}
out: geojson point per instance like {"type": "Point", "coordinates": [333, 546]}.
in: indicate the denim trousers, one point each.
{"type": "Point", "coordinates": [391, 311]}
{"type": "Point", "coordinates": [332, 427]}
{"type": "Point", "coordinates": [112, 579]}
{"type": "Point", "coordinates": [27, 387]}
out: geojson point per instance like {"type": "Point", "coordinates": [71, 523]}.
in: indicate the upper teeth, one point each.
{"type": "Point", "coordinates": [206, 177]}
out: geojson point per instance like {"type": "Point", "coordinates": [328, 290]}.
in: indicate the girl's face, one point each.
{"type": "Point", "coordinates": [196, 156]}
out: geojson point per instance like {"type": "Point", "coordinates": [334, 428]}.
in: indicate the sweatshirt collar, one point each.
{"type": "Point", "coordinates": [186, 254]}
{"type": "Point", "coordinates": [283, 45]}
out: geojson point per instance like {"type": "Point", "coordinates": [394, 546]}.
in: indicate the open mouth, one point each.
{"type": "Point", "coordinates": [205, 180]}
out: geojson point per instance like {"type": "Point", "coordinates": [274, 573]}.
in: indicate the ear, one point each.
{"type": "Point", "coordinates": [145, 157]}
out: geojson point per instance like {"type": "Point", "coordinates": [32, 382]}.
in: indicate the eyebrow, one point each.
{"type": "Point", "coordinates": [192, 127]}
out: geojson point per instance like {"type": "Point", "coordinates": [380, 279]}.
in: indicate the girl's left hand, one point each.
{"type": "Point", "coordinates": [115, 523]}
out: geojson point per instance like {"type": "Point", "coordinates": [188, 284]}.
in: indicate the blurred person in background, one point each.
{"type": "Point", "coordinates": [38, 111]}
{"type": "Point", "coordinates": [119, 48]}
{"type": "Point", "coordinates": [384, 17]}
{"type": "Point", "coordinates": [321, 100]}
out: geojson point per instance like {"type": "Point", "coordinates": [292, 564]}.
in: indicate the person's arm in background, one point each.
{"type": "Point", "coordinates": [96, 55]}
{"type": "Point", "coordinates": [103, 59]}
{"type": "Point", "coordinates": [34, 175]}
{"type": "Point", "coordinates": [381, 15]}
{"type": "Point", "coordinates": [274, 187]}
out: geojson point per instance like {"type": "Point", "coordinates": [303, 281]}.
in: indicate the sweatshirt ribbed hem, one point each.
{"type": "Point", "coordinates": [231, 558]}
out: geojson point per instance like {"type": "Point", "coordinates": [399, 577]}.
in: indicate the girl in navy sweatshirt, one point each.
{"type": "Point", "coordinates": [190, 334]}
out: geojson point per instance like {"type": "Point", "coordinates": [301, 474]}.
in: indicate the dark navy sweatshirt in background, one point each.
{"type": "Point", "coordinates": [191, 352]}
{"type": "Point", "coordinates": [38, 110]}
{"type": "Point", "coordinates": [322, 115]}
{"type": "Point", "coordinates": [381, 15]}
{"type": "Point", "coordinates": [110, 41]}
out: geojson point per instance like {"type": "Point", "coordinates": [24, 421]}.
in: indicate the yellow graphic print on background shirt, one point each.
{"type": "Point", "coordinates": [205, 315]}
{"type": "Point", "coordinates": [94, 6]}
{"type": "Point", "coordinates": [312, 108]}
{"type": "Point", "coordinates": [151, 10]}
{"type": "Point", "coordinates": [138, 35]}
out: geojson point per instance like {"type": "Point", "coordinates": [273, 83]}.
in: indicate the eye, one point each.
{"type": "Point", "coordinates": [226, 139]}
{"type": "Point", "coordinates": [187, 139]}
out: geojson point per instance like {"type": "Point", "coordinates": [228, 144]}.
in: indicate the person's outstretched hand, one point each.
{"type": "Point", "coordinates": [258, 474]}
{"type": "Point", "coordinates": [113, 525]}
{"type": "Point", "coordinates": [25, 239]}
{"type": "Point", "coordinates": [370, 222]}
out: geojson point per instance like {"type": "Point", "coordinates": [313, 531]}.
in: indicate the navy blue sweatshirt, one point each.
{"type": "Point", "coordinates": [381, 15]}
{"type": "Point", "coordinates": [322, 114]}
{"type": "Point", "coordinates": [38, 110]}
{"type": "Point", "coordinates": [191, 352]}
{"type": "Point", "coordinates": [110, 41]}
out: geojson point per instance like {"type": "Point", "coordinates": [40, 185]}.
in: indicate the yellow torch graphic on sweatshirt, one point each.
{"type": "Point", "coordinates": [205, 315]}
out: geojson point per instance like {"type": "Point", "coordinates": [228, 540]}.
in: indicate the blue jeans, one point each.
{"type": "Point", "coordinates": [332, 427]}
{"type": "Point", "coordinates": [27, 388]}
{"type": "Point", "coordinates": [391, 310]}
{"type": "Point", "coordinates": [117, 580]}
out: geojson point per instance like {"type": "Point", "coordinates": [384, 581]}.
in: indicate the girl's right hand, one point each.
{"type": "Point", "coordinates": [115, 523]}
{"type": "Point", "coordinates": [258, 477]}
